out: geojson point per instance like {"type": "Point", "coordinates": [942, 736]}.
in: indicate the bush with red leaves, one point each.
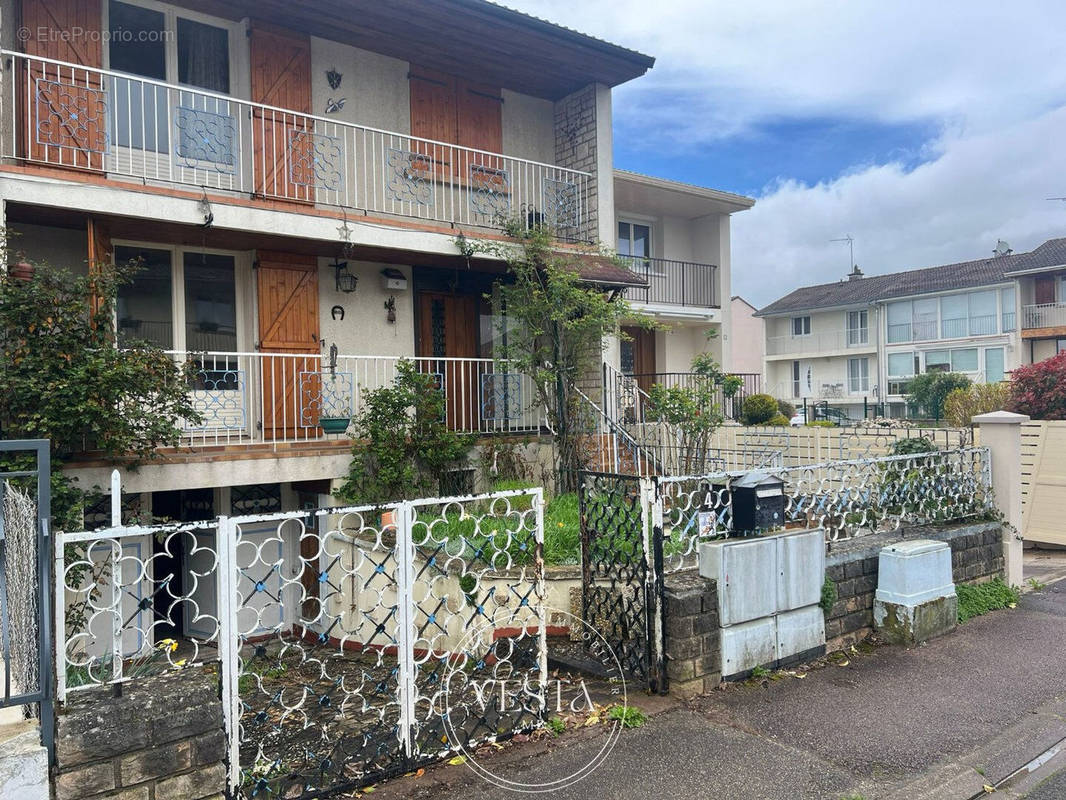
{"type": "Point", "coordinates": [1039, 390]}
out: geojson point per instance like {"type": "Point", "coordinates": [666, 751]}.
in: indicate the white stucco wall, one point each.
{"type": "Point", "coordinates": [376, 87]}
{"type": "Point", "coordinates": [528, 127]}
{"type": "Point", "coordinates": [747, 343]}
{"type": "Point", "coordinates": [364, 329]}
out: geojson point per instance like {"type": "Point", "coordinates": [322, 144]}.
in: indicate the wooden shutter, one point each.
{"type": "Point", "coordinates": [67, 108]}
{"type": "Point", "coordinates": [433, 117]}
{"type": "Point", "coordinates": [287, 293]}
{"type": "Point", "coordinates": [1045, 289]}
{"type": "Point", "coordinates": [281, 77]}
{"type": "Point", "coordinates": [481, 121]}
{"type": "Point", "coordinates": [100, 252]}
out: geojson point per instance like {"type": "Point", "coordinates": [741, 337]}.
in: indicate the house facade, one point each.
{"type": "Point", "coordinates": [858, 343]}
{"type": "Point", "coordinates": [747, 338]}
{"type": "Point", "coordinates": [297, 183]}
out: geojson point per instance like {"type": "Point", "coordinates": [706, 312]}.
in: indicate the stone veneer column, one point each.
{"type": "Point", "coordinates": [583, 141]}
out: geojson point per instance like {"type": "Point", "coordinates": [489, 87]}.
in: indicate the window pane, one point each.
{"type": "Point", "coordinates": [954, 310]}
{"type": "Point", "coordinates": [899, 322]}
{"type": "Point", "coordinates": [964, 360]}
{"type": "Point", "coordinates": [203, 56]}
{"type": "Point", "coordinates": [137, 46]}
{"type": "Point", "coordinates": [993, 365]}
{"type": "Point", "coordinates": [982, 313]}
{"type": "Point", "coordinates": [144, 307]}
{"type": "Point", "coordinates": [641, 240]}
{"type": "Point", "coordinates": [925, 314]}
{"type": "Point", "coordinates": [137, 40]}
{"type": "Point", "coordinates": [900, 364]}
{"type": "Point", "coordinates": [210, 303]}
{"type": "Point", "coordinates": [1006, 302]}
{"type": "Point", "coordinates": [938, 361]}
{"type": "Point", "coordinates": [623, 239]}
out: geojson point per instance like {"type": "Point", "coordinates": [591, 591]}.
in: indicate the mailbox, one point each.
{"type": "Point", "coordinates": [758, 502]}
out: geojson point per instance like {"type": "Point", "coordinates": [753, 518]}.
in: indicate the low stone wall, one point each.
{"type": "Point", "coordinates": [976, 555]}
{"type": "Point", "coordinates": [161, 740]}
{"type": "Point", "coordinates": [693, 654]}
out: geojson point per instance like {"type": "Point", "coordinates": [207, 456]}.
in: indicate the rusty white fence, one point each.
{"type": "Point", "coordinates": [352, 643]}
{"type": "Point", "coordinates": [132, 127]}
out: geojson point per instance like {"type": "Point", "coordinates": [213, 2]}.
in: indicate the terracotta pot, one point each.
{"type": "Point", "coordinates": [22, 271]}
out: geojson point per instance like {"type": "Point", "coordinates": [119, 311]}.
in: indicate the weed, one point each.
{"type": "Point", "coordinates": [980, 771]}
{"type": "Point", "coordinates": [1036, 585]}
{"type": "Point", "coordinates": [556, 725]}
{"type": "Point", "coordinates": [759, 673]}
{"type": "Point", "coordinates": [829, 595]}
{"type": "Point", "coordinates": [978, 599]}
{"type": "Point", "coordinates": [629, 716]}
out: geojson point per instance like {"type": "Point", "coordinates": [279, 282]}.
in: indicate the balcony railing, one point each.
{"type": "Point", "coordinates": [675, 283]}
{"type": "Point", "coordinates": [130, 127]}
{"type": "Point", "coordinates": [818, 342]}
{"type": "Point", "coordinates": [254, 398]}
{"type": "Point", "coordinates": [1044, 315]}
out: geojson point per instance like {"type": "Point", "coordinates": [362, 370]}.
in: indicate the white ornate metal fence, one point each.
{"type": "Point", "coordinates": [350, 643]}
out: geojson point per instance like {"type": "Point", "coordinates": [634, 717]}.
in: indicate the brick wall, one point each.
{"type": "Point", "coordinates": [576, 147]}
{"type": "Point", "coordinates": [693, 655]}
{"type": "Point", "coordinates": [976, 554]}
{"type": "Point", "coordinates": [161, 740]}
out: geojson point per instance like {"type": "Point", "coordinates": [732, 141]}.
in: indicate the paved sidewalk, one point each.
{"type": "Point", "coordinates": [937, 722]}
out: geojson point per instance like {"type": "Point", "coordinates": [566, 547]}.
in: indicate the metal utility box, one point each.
{"type": "Point", "coordinates": [758, 502]}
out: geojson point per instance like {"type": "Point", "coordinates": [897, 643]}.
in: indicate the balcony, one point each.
{"type": "Point", "coordinates": [274, 398]}
{"type": "Point", "coordinates": [820, 342]}
{"type": "Point", "coordinates": [1044, 315]}
{"type": "Point", "coordinates": [674, 283]}
{"type": "Point", "coordinates": [140, 130]}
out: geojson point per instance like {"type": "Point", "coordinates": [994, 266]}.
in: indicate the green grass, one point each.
{"type": "Point", "coordinates": [556, 725]}
{"type": "Point", "coordinates": [978, 599]}
{"type": "Point", "coordinates": [629, 716]}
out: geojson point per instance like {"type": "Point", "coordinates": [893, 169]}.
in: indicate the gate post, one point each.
{"type": "Point", "coordinates": [405, 576]}
{"type": "Point", "coordinates": [1001, 433]}
{"type": "Point", "coordinates": [229, 648]}
{"type": "Point", "coordinates": [651, 514]}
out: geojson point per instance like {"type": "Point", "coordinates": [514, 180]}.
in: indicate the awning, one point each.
{"type": "Point", "coordinates": [604, 272]}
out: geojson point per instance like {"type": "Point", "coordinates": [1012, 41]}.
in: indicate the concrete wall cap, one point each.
{"type": "Point", "coordinates": [916, 547]}
{"type": "Point", "coordinates": [1001, 418]}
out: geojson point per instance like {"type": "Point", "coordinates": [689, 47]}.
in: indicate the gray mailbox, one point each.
{"type": "Point", "coordinates": [758, 502]}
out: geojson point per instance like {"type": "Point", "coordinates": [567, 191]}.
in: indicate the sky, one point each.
{"type": "Point", "coordinates": [925, 130]}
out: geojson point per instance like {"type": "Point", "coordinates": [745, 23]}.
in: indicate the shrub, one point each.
{"type": "Point", "coordinates": [929, 391]}
{"type": "Point", "coordinates": [822, 423]}
{"type": "Point", "coordinates": [759, 409]}
{"type": "Point", "coordinates": [913, 445]}
{"type": "Point", "coordinates": [980, 598]}
{"type": "Point", "coordinates": [786, 409]}
{"type": "Point", "coordinates": [731, 384]}
{"type": "Point", "coordinates": [777, 420]}
{"type": "Point", "coordinates": [1039, 390]}
{"type": "Point", "coordinates": [962, 405]}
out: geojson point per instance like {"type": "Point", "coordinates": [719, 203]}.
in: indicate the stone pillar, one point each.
{"type": "Point", "coordinates": [1001, 433]}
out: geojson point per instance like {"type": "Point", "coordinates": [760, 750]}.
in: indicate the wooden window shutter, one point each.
{"type": "Point", "coordinates": [433, 105]}
{"type": "Point", "coordinates": [480, 117]}
{"type": "Point", "coordinates": [66, 16]}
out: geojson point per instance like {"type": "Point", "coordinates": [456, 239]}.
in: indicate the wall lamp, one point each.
{"type": "Point", "coordinates": [346, 281]}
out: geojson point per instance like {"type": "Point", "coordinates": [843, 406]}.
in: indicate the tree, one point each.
{"type": "Point", "coordinates": [402, 442]}
{"type": "Point", "coordinates": [929, 391]}
{"type": "Point", "coordinates": [1039, 390]}
{"type": "Point", "coordinates": [692, 411]}
{"type": "Point", "coordinates": [556, 326]}
{"type": "Point", "coordinates": [63, 379]}
{"type": "Point", "coordinates": [962, 405]}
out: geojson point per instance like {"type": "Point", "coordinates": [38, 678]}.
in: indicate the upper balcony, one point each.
{"type": "Point", "coordinates": [1043, 315]}
{"type": "Point", "coordinates": [132, 129]}
{"type": "Point", "coordinates": [820, 342]}
{"type": "Point", "coordinates": [674, 283]}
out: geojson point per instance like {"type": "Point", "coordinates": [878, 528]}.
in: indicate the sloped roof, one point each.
{"type": "Point", "coordinates": [963, 275]}
{"type": "Point", "coordinates": [603, 271]}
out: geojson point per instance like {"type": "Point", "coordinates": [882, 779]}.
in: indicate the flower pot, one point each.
{"type": "Point", "coordinates": [388, 520]}
{"type": "Point", "coordinates": [334, 424]}
{"type": "Point", "coordinates": [22, 271]}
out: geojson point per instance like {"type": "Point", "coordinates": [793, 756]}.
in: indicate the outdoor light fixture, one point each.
{"type": "Point", "coordinates": [346, 281]}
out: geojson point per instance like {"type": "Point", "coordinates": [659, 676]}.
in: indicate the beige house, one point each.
{"type": "Point", "coordinates": [295, 179]}
{"type": "Point", "coordinates": [857, 343]}
{"type": "Point", "coordinates": [747, 339]}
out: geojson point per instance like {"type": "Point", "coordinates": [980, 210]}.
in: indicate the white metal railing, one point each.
{"type": "Point", "coordinates": [128, 126]}
{"type": "Point", "coordinates": [1044, 315]}
{"type": "Point", "coordinates": [817, 342]}
{"type": "Point", "coordinates": [253, 398]}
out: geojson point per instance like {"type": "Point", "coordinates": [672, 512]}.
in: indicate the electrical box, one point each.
{"type": "Point", "coordinates": [758, 502]}
{"type": "Point", "coordinates": [393, 280]}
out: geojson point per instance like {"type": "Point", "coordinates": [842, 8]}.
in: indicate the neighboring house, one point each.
{"type": "Point", "coordinates": [294, 178]}
{"type": "Point", "coordinates": [857, 343]}
{"type": "Point", "coordinates": [1041, 280]}
{"type": "Point", "coordinates": [747, 339]}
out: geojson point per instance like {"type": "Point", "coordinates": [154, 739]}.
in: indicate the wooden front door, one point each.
{"type": "Point", "coordinates": [287, 291]}
{"type": "Point", "coordinates": [1045, 289]}
{"type": "Point", "coordinates": [448, 329]}
{"type": "Point", "coordinates": [64, 110]}
{"type": "Point", "coordinates": [281, 141]}
{"type": "Point", "coordinates": [638, 356]}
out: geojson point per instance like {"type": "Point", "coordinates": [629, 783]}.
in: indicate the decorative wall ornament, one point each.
{"type": "Point", "coordinates": [559, 199]}
{"type": "Point", "coordinates": [314, 160]}
{"type": "Point", "coordinates": [346, 281]}
{"type": "Point", "coordinates": [71, 116]}
{"type": "Point", "coordinates": [333, 106]}
{"type": "Point", "coordinates": [334, 78]}
{"type": "Point", "coordinates": [390, 308]}
{"type": "Point", "coordinates": [337, 312]}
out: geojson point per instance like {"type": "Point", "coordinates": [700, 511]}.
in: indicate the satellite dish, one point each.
{"type": "Point", "coordinates": [1002, 249]}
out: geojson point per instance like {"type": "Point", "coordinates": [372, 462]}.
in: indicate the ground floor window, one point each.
{"type": "Point", "coordinates": [858, 375]}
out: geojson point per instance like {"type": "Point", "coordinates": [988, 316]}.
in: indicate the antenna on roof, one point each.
{"type": "Point", "coordinates": [1002, 249]}
{"type": "Point", "coordinates": [851, 248]}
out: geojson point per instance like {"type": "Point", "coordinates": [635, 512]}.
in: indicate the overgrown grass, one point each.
{"type": "Point", "coordinates": [978, 599]}
{"type": "Point", "coordinates": [629, 716]}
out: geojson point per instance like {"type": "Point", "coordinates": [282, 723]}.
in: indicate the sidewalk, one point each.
{"type": "Point", "coordinates": [937, 722]}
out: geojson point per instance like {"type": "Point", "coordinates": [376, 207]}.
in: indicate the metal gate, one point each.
{"type": "Point", "coordinates": [26, 580]}
{"type": "Point", "coordinates": [352, 643]}
{"type": "Point", "coordinates": [622, 570]}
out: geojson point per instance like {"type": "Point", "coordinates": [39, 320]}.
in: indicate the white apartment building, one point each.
{"type": "Point", "coordinates": [857, 343]}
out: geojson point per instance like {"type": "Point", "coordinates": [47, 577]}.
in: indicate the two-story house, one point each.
{"type": "Point", "coordinates": [858, 342]}
{"type": "Point", "coordinates": [1041, 281]}
{"type": "Point", "coordinates": [294, 179]}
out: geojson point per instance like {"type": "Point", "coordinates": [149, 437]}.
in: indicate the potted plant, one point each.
{"type": "Point", "coordinates": [334, 424]}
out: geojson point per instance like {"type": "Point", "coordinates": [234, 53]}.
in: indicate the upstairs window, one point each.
{"type": "Point", "coordinates": [801, 326]}
{"type": "Point", "coordinates": [858, 332]}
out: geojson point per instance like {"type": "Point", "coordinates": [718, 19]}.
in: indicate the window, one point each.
{"type": "Point", "coordinates": [180, 300]}
{"type": "Point", "coordinates": [901, 365]}
{"type": "Point", "coordinates": [938, 361]}
{"type": "Point", "coordinates": [994, 367]}
{"type": "Point", "coordinates": [795, 379]}
{"type": "Point", "coordinates": [801, 326]}
{"type": "Point", "coordinates": [925, 319]}
{"type": "Point", "coordinates": [1060, 346]}
{"type": "Point", "coordinates": [634, 240]}
{"type": "Point", "coordinates": [858, 375]}
{"type": "Point", "coordinates": [982, 313]}
{"type": "Point", "coordinates": [858, 332]}
{"type": "Point", "coordinates": [964, 360]}
{"type": "Point", "coordinates": [954, 311]}
{"type": "Point", "coordinates": [1006, 305]}
{"type": "Point", "coordinates": [899, 322]}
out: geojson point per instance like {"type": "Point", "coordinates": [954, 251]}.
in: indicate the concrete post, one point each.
{"type": "Point", "coordinates": [1001, 433]}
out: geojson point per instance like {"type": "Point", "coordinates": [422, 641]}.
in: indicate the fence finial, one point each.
{"type": "Point", "coordinates": [116, 499]}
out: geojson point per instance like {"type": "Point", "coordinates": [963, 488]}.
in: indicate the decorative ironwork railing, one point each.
{"type": "Point", "coordinates": [675, 283]}
{"type": "Point", "coordinates": [250, 398]}
{"type": "Point", "coordinates": [126, 126]}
